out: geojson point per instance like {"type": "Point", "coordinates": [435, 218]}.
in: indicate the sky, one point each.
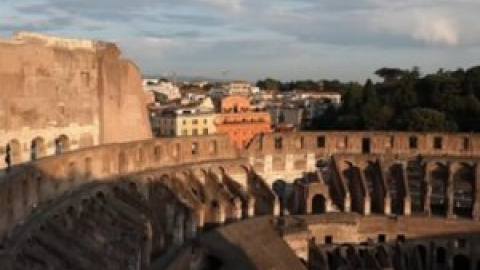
{"type": "Point", "coordinates": [255, 39]}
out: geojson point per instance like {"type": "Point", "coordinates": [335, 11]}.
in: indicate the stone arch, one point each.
{"type": "Point", "coordinates": [461, 262]}
{"type": "Point", "coordinates": [382, 257]}
{"type": "Point", "coordinates": [279, 187]}
{"type": "Point", "coordinates": [319, 204]}
{"type": "Point", "coordinates": [13, 152]}
{"type": "Point", "coordinates": [396, 190]}
{"type": "Point", "coordinates": [62, 144]}
{"type": "Point", "coordinates": [439, 182]}
{"type": "Point", "coordinates": [38, 148]}
{"type": "Point", "coordinates": [464, 188]}
{"type": "Point", "coordinates": [422, 255]}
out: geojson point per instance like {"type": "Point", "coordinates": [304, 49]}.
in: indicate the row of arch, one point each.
{"type": "Point", "coordinates": [37, 149]}
{"type": "Point", "coordinates": [399, 256]}
{"type": "Point", "coordinates": [432, 187]}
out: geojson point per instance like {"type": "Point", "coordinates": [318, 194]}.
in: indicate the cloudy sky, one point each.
{"type": "Point", "coordinates": [252, 39]}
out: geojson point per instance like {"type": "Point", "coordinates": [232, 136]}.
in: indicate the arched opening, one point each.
{"type": "Point", "coordinates": [37, 148]}
{"type": "Point", "coordinates": [461, 262]}
{"type": "Point", "coordinates": [13, 153]}
{"type": "Point", "coordinates": [319, 204]}
{"type": "Point", "coordinates": [441, 256]}
{"type": "Point", "coordinates": [395, 188]}
{"type": "Point", "coordinates": [463, 179]}
{"type": "Point", "coordinates": [382, 257]}
{"type": "Point", "coordinates": [422, 252]}
{"type": "Point", "coordinates": [366, 146]}
{"type": "Point", "coordinates": [280, 188]}
{"type": "Point", "coordinates": [438, 200]}
{"type": "Point", "coordinates": [62, 144]}
{"type": "Point", "coordinates": [415, 173]}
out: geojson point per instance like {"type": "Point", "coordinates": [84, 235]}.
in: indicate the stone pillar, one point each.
{"type": "Point", "coordinates": [450, 190]}
{"type": "Point", "coordinates": [328, 205]}
{"type": "Point", "coordinates": [387, 205]}
{"type": "Point", "coordinates": [407, 205]}
{"type": "Point", "coordinates": [347, 202]}
{"type": "Point", "coordinates": [200, 217]}
{"type": "Point", "coordinates": [251, 207]}
{"type": "Point", "coordinates": [367, 203]}
{"type": "Point", "coordinates": [427, 190]}
{"type": "Point", "coordinates": [276, 207]}
{"type": "Point", "coordinates": [221, 216]}
{"type": "Point", "coordinates": [308, 205]}
{"type": "Point", "coordinates": [147, 246]}
{"type": "Point", "coordinates": [237, 209]}
{"type": "Point", "coordinates": [476, 195]}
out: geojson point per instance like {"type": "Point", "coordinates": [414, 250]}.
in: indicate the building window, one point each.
{"type": "Point", "coordinates": [205, 121]}
{"type": "Point", "coordinates": [321, 142]}
{"type": "Point", "coordinates": [194, 132]}
{"type": "Point", "coordinates": [205, 131]}
{"type": "Point", "coordinates": [172, 132]}
{"type": "Point", "coordinates": [437, 143]}
{"type": "Point", "coordinates": [184, 132]}
{"type": "Point", "coordinates": [194, 148]}
{"type": "Point", "coordinates": [194, 121]}
{"type": "Point", "coordinates": [466, 144]}
{"type": "Point", "coordinates": [413, 142]}
{"type": "Point", "coordinates": [278, 143]}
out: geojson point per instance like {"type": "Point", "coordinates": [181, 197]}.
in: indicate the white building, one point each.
{"type": "Point", "coordinates": [165, 87]}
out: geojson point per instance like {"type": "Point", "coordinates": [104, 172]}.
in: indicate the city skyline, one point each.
{"type": "Point", "coordinates": [256, 39]}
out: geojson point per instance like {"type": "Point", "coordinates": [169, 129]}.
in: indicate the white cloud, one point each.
{"type": "Point", "coordinates": [226, 5]}
{"type": "Point", "coordinates": [436, 30]}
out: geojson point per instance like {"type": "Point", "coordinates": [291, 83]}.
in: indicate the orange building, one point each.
{"type": "Point", "coordinates": [240, 122]}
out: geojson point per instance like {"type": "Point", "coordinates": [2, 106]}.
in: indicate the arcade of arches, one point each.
{"type": "Point", "coordinates": [142, 204]}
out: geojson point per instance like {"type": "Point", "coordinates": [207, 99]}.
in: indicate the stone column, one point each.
{"type": "Point", "coordinates": [347, 203]}
{"type": "Point", "coordinates": [328, 205]}
{"type": "Point", "coordinates": [387, 205]}
{"type": "Point", "coordinates": [407, 205]}
{"type": "Point", "coordinates": [147, 246]}
{"type": "Point", "coordinates": [276, 207]}
{"type": "Point", "coordinates": [450, 190]}
{"type": "Point", "coordinates": [200, 217]}
{"type": "Point", "coordinates": [367, 205]}
{"type": "Point", "coordinates": [251, 207]}
{"type": "Point", "coordinates": [427, 190]}
{"type": "Point", "coordinates": [476, 195]}
{"type": "Point", "coordinates": [237, 209]}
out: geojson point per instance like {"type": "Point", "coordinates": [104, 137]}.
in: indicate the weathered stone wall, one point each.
{"type": "Point", "coordinates": [288, 156]}
{"type": "Point", "coordinates": [80, 89]}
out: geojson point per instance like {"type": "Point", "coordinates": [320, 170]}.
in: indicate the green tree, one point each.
{"type": "Point", "coordinates": [160, 97]}
{"type": "Point", "coordinates": [424, 119]}
{"type": "Point", "coordinates": [269, 84]}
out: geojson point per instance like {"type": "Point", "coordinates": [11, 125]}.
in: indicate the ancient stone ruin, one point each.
{"type": "Point", "coordinates": [121, 200]}
{"type": "Point", "coordinates": [60, 94]}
